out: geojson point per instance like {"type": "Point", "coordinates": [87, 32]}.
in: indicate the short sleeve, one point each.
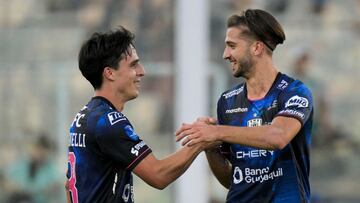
{"type": "Point", "coordinates": [296, 101]}
{"type": "Point", "coordinates": [117, 139]}
{"type": "Point", "coordinates": [224, 148]}
{"type": "Point", "coordinates": [220, 111]}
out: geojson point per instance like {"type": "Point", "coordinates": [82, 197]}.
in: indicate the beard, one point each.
{"type": "Point", "coordinates": [244, 67]}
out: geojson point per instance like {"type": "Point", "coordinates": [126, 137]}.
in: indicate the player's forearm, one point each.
{"type": "Point", "coordinates": [220, 167]}
{"type": "Point", "coordinates": [177, 163]}
{"type": "Point", "coordinates": [264, 137]}
{"type": "Point", "coordinates": [67, 191]}
{"type": "Point", "coordinates": [163, 172]}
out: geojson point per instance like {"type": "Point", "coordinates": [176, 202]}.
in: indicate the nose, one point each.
{"type": "Point", "coordinates": [140, 70]}
{"type": "Point", "coordinates": [226, 53]}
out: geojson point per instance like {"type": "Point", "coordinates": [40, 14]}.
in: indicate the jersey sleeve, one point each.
{"type": "Point", "coordinates": [224, 148]}
{"type": "Point", "coordinates": [117, 139]}
{"type": "Point", "coordinates": [296, 102]}
{"type": "Point", "coordinates": [220, 111]}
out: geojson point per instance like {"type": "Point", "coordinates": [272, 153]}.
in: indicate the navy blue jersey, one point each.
{"type": "Point", "coordinates": [260, 175]}
{"type": "Point", "coordinates": [103, 150]}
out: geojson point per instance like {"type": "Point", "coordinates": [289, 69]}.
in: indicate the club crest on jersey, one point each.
{"type": "Point", "coordinates": [115, 117]}
{"type": "Point", "coordinates": [130, 133]}
{"type": "Point", "coordinates": [254, 122]}
{"type": "Point", "coordinates": [297, 101]}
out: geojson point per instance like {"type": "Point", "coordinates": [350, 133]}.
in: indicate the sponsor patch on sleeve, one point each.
{"type": "Point", "coordinates": [300, 102]}
{"type": "Point", "coordinates": [115, 117]}
{"type": "Point", "coordinates": [292, 113]}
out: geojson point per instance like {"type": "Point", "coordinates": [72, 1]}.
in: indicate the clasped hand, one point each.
{"type": "Point", "coordinates": [203, 131]}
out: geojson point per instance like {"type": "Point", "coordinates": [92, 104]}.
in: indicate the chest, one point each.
{"type": "Point", "coordinates": [240, 111]}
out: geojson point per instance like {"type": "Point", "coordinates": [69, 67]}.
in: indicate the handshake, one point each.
{"type": "Point", "coordinates": [204, 131]}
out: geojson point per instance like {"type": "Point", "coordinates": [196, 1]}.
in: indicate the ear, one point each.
{"type": "Point", "coordinates": [258, 48]}
{"type": "Point", "coordinates": [108, 73]}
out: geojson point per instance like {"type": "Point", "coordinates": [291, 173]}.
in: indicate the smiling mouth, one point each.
{"type": "Point", "coordinates": [137, 83]}
{"type": "Point", "coordinates": [233, 64]}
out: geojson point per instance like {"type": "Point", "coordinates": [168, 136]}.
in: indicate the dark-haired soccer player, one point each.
{"type": "Point", "coordinates": [264, 123]}
{"type": "Point", "coordinates": [104, 148]}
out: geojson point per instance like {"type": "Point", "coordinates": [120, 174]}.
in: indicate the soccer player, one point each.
{"type": "Point", "coordinates": [104, 148]}
{"type": "Point", "coordinates": [264, 123]}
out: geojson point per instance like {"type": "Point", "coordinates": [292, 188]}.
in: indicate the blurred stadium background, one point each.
{"type": "Point", "coordinates": [41, 88]}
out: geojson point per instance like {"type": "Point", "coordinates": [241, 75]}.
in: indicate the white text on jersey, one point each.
{"type": "Point", "coordinates": [77, 140]}
{"type": "Point", "coordinates": [253, 153]}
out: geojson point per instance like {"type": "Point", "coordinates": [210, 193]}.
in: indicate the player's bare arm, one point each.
{"type": "Point", "coordinates": [220, 167]}
{"type": "Point", "coordinates": [272, 137]}
{"type": "Point", "coordinates": [67, 191]}
{"type": "Point", "coordinates": [160, 173]}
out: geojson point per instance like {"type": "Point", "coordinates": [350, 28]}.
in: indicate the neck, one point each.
{"type": "Point", "coordinates": [260, 82]}
{"type": "Point", "coordinates": [117, 101]}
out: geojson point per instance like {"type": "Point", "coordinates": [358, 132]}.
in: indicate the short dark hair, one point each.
{"type": "Point", "coordinates": [259, 25]}
{"type": "Point", "coordinates": [104, 50]}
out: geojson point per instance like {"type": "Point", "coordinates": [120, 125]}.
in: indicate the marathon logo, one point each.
{"type": "Point", "coordinates": [300, 102]}
{"type": "Point", "coordinates": [237, 110]}
{"type": "Point", "coordinates": [115, 117]}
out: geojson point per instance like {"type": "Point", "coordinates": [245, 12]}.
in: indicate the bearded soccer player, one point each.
{"type": "Point", "coordinates": [104, 148]}
{"type": "Point", "coordinates": [264, 123]}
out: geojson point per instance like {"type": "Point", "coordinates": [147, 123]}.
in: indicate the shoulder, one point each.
{"type": "Point", "coordinates": [110, 119]}
{"type": "Point", "coordinates": [299, 87]}
{"type": "Point", "coordinates": [296, 94]}
{"type": "Point", "coordinates": [288, 84]}
{"type": "Point", "coordinates": [234, 91]}
{"type": "Point", "coordinates": [103, 116]}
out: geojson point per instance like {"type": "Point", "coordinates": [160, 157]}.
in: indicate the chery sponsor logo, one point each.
{"type": "Point", "coordinates": [297, 101]}
{"type": "Point", "coordinates": [256, 153]}
{"type": "Point", "coordinates": [254, 175]}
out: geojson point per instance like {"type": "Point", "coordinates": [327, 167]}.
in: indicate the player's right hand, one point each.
{"type": "Point", "coordinates": [206, 120]}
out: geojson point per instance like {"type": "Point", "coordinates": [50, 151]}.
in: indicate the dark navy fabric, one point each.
{"type": "Point", "coordinates": [260, 175]}
{"type": "Point", "coordinates": [103, 150]}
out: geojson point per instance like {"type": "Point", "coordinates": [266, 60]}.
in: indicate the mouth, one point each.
{"type": "Point", "coordinates": [137, 83]}
{"type": "Point", "coordinates": [233, 64]}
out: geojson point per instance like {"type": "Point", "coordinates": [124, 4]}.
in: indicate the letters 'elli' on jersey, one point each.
{"type": "Point", "coordinates": [103, 150]}
{"type": "Point", "coordinates": [260, 175]}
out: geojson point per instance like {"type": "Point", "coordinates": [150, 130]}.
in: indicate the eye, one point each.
{"type": "Point", "coordinates": [231, 45]}
{"type": "Point", "coordinates": [135, 64]}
